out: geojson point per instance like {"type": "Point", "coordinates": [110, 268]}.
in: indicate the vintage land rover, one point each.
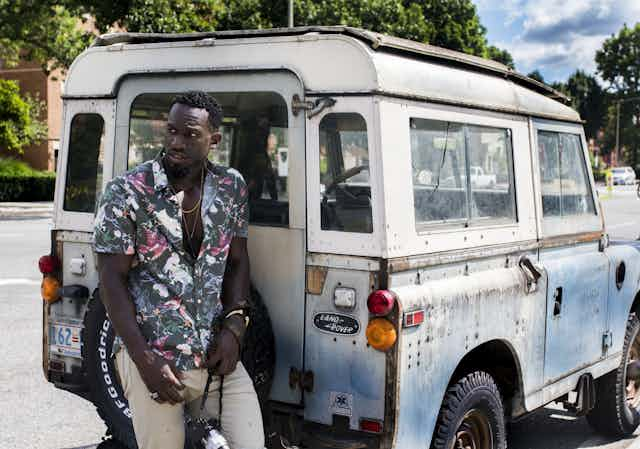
{"type": "Point", "coordinates": [426, 237]}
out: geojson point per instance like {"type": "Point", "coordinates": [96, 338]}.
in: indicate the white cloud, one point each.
{"type": "Point", "coordinates": [560, 36]}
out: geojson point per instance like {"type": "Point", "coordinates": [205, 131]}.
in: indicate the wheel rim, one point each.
{"type": "Point", "coordinates": [632, 375]}
{"type": "Point", "coordinates": [474, 432]}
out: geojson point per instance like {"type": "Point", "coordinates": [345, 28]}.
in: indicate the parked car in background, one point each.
{"type": "Point", "coordinates": [623, 176]}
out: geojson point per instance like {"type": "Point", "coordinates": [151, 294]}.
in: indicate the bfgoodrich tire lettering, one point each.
{"type": "Point", "coordinates": [106, 392]}
{"type": "Point", "coordinates": [471, 407]}
{"type": "Point", "coordinates": [612, 414]}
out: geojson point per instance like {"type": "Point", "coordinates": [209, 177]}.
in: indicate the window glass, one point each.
{"type": "Point", "coordinates": [344, 174]}
{"type": "Point", "coordinates": [254, 141]}
{"type": "Point", "coordinates": [490, 165]}
{"type": "Point", "coordinates": [563, 175]}
{"type": "Point", "coordinates": [461, 173]}
{"type": "Point", "coordinates": [438, 168]}
{"type": "Point", "coordinates": [83, 182]}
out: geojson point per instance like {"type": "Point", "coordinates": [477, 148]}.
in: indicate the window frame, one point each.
{"type": "Point", "coordinates": [469, 221]}
{"type": "Point", "coordinates": [341, 242]}
{"type": "Point", "coordinates": [281, 82]}
{"type": "Point", "coordinates": [403, 238]}
{"type": "Point", "coordinates": [569, 224]}
{"type": "Point", "coordinates": [82, 221]}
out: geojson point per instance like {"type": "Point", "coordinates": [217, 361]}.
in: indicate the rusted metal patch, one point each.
{"type": "Point", "coordinates": [316, 277]}
{"type": "Point", "coordinates": [569, 240]}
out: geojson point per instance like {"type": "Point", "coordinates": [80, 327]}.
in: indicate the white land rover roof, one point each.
{"type": "Point", "coordinates": [328, 60]}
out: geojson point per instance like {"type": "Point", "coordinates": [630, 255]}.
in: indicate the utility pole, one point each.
{"type": "Point", "coordinates": [618, 103]}
{"type": "Point", "coordinates": [290, 13]}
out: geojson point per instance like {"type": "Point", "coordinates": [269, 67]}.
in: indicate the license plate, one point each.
{"type": "Point", "coordinates": [65, 339]}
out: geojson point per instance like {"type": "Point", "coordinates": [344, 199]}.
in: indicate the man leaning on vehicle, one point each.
{"type": "Point", "coordinates": [168, 235]}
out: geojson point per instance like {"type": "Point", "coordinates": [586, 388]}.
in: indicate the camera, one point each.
{"type": "Point", "coordinates": [203, 433]}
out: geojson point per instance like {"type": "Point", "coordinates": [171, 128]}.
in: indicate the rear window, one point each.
{"type": "Point", "coordinates": [84, 163]}
{"type": "Point", "coordinates": [255, 141]}
{"type": "Point", "coordinates": [461, 173]}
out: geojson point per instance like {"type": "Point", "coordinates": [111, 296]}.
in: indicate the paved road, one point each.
{"type": "Point", "coordinates": [35, 415]}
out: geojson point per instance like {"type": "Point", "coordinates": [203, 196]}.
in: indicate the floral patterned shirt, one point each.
{"type": "Point", "coordinates": [176, 297]}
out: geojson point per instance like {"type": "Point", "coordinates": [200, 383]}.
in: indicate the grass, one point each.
{"type": "Point", "coordinates": [13, 167]}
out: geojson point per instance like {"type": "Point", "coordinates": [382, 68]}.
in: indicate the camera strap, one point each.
{"type": "Point", "coordinates": [205, 395]}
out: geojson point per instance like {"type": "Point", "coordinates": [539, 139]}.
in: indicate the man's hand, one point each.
{"type": "Point", "coordinates": [224, 356]}
{"type": "Point", "coordinates": [160, 376]}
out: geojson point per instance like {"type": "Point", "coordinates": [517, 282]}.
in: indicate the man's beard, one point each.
{"type": "Point", "coordinates": [176, 171]}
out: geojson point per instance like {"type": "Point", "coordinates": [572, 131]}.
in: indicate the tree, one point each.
{"type": "Point", "coordinates": [44, 31]}
{"type": "Point", "coordinates": [618, 66]}
{"type": "Point", "coordinates": [588, 97]}
{"type": "Point", "coordinates": [500, 55]}
{"type": "Point", "coordinates": [536, 75]}
{"type": "Point", "coordinates": [20, 124]}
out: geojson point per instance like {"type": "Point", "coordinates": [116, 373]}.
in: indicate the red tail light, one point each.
{"type": "Point", "coordinates": [48, 264]}
{"type": "Point", "coordinates": [370, 425]}
{"type": "Point", "coordinates": [380, 302]}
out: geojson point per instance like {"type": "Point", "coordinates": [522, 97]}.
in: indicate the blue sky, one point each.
{"type": "Point", "coordinates": [554, 36]}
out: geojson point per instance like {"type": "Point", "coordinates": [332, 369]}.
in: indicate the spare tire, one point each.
{"type": "Point", "coordinates": [104, 384]}
{"type": "Point", "coordinates": [258, 357]}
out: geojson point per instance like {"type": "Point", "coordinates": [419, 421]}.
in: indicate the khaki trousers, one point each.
{"type": "Point", "coordinates": [161, 426]}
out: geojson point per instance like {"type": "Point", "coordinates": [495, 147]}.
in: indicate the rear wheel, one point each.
{"type": "Point", "coordinates": [617, 407]}
{"type": "Point", "coordinates": [472, 415]}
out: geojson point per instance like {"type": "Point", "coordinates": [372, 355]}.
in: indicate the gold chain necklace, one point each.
{"type": "Point", "coordinates": [184, 211]}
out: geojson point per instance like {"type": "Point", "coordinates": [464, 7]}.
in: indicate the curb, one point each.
{"type": "Point", "coordinates": [26, 210]}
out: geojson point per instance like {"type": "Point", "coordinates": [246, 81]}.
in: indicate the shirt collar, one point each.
{"type": "Point", "coordinates": [160, 179]}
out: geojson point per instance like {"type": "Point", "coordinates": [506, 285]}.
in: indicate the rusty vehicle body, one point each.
{"type": "Point", "coordinates": [515, 278]}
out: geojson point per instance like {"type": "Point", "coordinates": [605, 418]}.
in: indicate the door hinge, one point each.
{"type": "Point", "coordinates": [314, 107]}
{"type": "Point", "coordinates": [607, 341]}
{"type": "Point", "coordinates": [300, 379]}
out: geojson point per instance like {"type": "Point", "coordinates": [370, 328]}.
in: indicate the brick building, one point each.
{"type": "Point", "coordinates": [34, 81]}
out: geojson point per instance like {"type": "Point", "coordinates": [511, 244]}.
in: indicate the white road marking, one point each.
{"type": "Point", "coordinates": [19, 281]}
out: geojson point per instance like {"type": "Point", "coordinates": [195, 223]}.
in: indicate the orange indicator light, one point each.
{"type": "Point", "coordinates": [381, 334]}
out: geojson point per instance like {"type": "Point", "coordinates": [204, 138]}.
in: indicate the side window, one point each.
{"type": "Point", "coordinates": [563, 175]}
{"type": "Point", "coordinates": [84, 163]}
{"type": "Point", "coordinates": [254, 141]}
{"type": "Point", "coordinates": [344, 174]}
{"type": "Point", "coordinates": [461, 173]}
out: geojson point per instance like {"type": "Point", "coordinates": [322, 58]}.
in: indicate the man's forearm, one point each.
{"type": "Point", "coordinates": [122, 314]}
{"type": "Point", "coordinates": [236, 281]}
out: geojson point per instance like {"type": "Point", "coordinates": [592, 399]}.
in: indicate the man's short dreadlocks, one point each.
{"type": "Point", "coordinates": [202, 100]}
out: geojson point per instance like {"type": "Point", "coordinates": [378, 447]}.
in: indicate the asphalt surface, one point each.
{"type": "Point", "coordinates": [35, 415]}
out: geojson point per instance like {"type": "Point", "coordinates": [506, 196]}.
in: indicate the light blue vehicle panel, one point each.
{"type": "Point", "coordinates": [576, 318]}
{"type": "Point", "coordinates": [462, 313]}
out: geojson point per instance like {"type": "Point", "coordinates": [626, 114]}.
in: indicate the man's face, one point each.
{"type": "Point", "coordinates": [188, 139]}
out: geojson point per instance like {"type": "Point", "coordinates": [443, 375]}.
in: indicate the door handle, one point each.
{"type": "Point", "coordinates": [531, 273]}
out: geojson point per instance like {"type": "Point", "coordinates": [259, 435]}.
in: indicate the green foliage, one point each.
{"type": "Point", "coordinates": [618, 66]}
{"type": "Point", "coordinates": [452, 24]}
{"type": "Point", "coordinates": [588, 97]}
{"type": "Point", "coordinates": [27, 188]}
{"type": "Point", "coordinates": [20, 123]}
{"type": "Point", "coordinates": [40, 30]}
{"type": "Point", "coordinates": [19, 182]}
{"type": "Point", "coordinates": [500, 55]}
{"type": "Point", "coordinates": [536, 75]}
{"type": "Point", "coordinates": [14, 167]}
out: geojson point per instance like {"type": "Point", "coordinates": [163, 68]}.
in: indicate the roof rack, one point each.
{"type": "Point", "coordinates": [377, 41]}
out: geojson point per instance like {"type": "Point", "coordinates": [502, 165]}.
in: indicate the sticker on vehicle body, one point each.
{"type": "Point", "coordinates": [336, 323]}
{"type": "Point", "coordinates": [340, 403]}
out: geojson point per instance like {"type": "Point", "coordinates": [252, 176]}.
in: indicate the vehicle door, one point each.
{"type": "Point", "coordinates": [344, 378]}
{"type": "Point", "coordinates": [264, 140]}
{"type": "Point", "coordinates": [570, 231]}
